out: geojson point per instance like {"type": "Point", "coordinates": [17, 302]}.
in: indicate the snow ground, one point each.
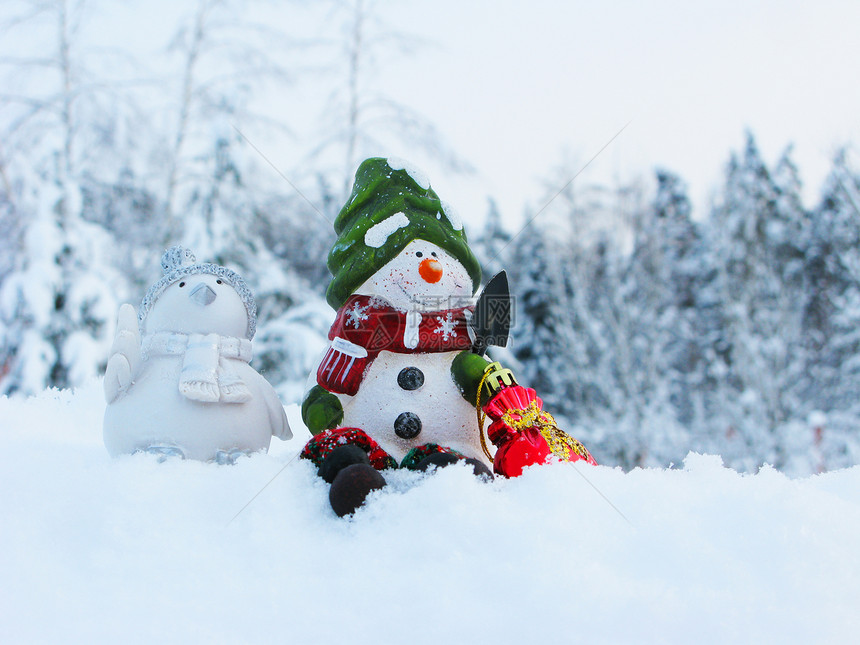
{"type": "Point", "coordinates": [94, 550]}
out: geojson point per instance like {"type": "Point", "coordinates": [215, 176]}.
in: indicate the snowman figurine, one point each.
{"type": "Point", "coordinates": [398, 384]}
{"type": "Point", "coordinates": [178, 382]}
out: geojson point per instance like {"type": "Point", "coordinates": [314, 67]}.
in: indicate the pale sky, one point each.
{"type": "Point", "coordinates": [523, 88]}
{"type": "Point", "coordinates": [518, 87]}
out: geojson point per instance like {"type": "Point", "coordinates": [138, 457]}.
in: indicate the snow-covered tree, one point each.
{"type": "Point", "coordinates": [582, 335]}
{"type": "Point", "coordinates": [492, 243]}
{"type": "Point", "coordinates": [759, 226]}
{"type": "Point", "coordinates": [57, 301]}
{"type": "Point", "coordinates": [832, 314]}
{"type": "Point", "coordinates": [361, 119]}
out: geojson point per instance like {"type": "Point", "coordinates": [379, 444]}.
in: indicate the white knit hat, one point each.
{"type": "Point", "coordinates": [178, 262]}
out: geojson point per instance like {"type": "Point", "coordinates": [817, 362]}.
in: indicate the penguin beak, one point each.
{"type": "Point", "coordinates": [202, 294]}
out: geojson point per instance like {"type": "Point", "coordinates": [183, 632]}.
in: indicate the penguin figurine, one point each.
{"type": "Point", "coordinates": [178, 381]}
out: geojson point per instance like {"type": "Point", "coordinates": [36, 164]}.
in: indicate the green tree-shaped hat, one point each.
{"type": "Point", "coordinates": [391, 205]}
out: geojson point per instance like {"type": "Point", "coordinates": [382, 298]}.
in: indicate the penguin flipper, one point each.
{"type": "Point", "coordinates": [117, 377]}
{"type": "Point", "coordinates": [277, 416]}
{"type": "Point", "coordinates": [125, 357]}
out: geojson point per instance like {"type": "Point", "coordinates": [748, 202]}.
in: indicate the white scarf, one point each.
{"type": "Point", "coordinates": [206, 374]}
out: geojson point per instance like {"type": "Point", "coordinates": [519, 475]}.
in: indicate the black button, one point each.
{"type": "Point", "coordinates": [410, 378]}
{"type": "Point", "coordinates": [407, 425]}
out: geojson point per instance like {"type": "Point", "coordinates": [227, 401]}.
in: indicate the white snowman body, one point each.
{"type": "Point", "coordinates": [147, 411]}
{"type": "Point", "coordinates": [446, 418]}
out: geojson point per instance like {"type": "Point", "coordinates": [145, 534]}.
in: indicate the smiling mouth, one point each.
{"type": "Point", "coordinates": [403, 289]}
{"type": "Point", "coordinates": [431, 301]}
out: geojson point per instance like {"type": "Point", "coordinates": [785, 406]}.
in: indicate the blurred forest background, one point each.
{"type": "Point", "coordinates": [650, 330]}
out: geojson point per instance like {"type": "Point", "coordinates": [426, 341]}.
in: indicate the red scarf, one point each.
{"type": "Point", "coordinates": [367, 325]}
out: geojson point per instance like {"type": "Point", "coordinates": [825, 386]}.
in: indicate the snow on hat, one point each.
{"type": "Point", "coordinates": [178, 262]}
{"type": "Point", "coordinates": [391, 205]}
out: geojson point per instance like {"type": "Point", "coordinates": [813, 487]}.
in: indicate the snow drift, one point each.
{"type": "Point", "coordinates": [131, 550]}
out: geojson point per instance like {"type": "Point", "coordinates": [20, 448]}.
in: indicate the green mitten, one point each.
{"type": "Point", "coordinates": [467, 371]}
{"type": "Point", "coordinates": [321, 410]}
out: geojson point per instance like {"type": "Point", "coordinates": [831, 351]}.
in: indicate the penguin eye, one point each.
{"type": "Point", "coordinates": [419, 254]}
{"type": "Point", "coordinates": [181, 284]}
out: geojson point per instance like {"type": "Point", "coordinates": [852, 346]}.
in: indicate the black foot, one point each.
{"type": "Point", "coordinates": [442, 459]}
{"type": "Point", "coordinates": [351, 487]}
{"type": "Point", "coordinates": [340, 458]}
{"type": "Point", "coordinates": [480, 469]}
{"type": "Point", "coordinates": [437, 459]}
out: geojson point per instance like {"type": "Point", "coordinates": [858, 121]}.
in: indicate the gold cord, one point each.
{"type": "Point", "coordinates": [481, 416]}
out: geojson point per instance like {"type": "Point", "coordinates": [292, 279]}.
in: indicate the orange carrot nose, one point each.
{"type": "Point", "coordinates": [431, 270]}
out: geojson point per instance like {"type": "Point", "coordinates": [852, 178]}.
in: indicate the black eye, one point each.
{"type": "Point", "coordinates": [419, 254]}
{"type": "Point", "coordinates": [219, 281]}
{"type": "Point", "coordinates": [433, 254]}
{"type": "Point", "coordinates": [181, 284]}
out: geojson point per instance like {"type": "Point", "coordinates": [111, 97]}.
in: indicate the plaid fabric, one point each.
{"type": "Point", "coordinates": [414, 456]}
{"type": "Point", "coordinates": [319, 447]}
